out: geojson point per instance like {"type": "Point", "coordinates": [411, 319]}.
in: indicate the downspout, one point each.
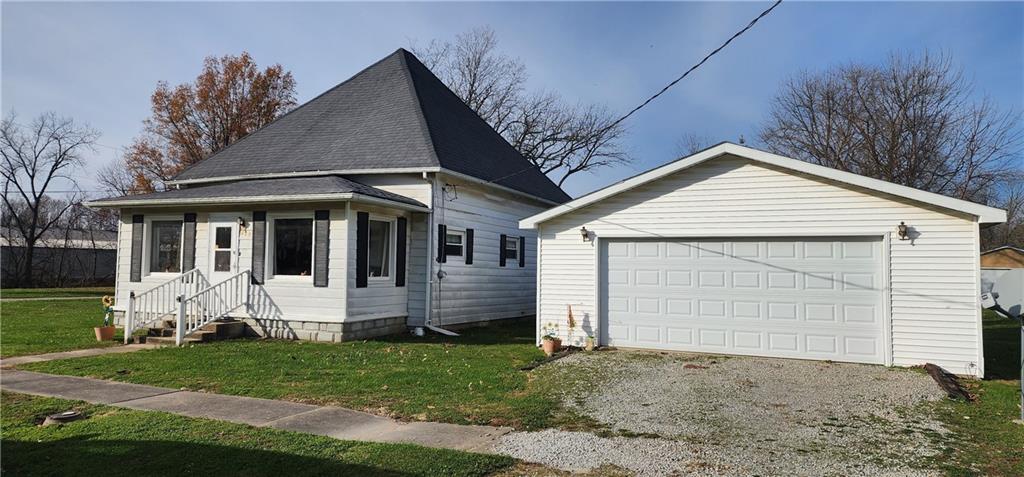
{"type": "Point", "coordinates": [429, 266]}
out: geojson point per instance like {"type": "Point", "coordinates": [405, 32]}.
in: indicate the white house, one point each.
{"type": "Point", "coordinates": [381, 204]}
{"type": "Point", "coordinates": [738, 251]}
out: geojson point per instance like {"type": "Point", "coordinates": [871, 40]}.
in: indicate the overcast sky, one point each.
{"type": "Point", "coordinates": [98, 63]}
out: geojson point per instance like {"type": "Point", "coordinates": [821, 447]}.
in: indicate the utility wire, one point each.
{"type": "Point", "coordinates": [673, 82]}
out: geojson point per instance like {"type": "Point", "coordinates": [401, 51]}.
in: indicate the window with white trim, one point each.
{"type": "Point", "coordinates": [293, 246]}
{"type": "Point", "coordinates": [512, 248]}
{"type": "Point", "coordinates": [379, 249]}
{"type": "Point", "coordinates": [454, 243]}
{"type": "Point", "coordinates": [165, 246]}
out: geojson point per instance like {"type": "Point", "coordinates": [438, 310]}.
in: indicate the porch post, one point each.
{"type": "Point", "coordinates": [179, 329]}
{"type": "Point", "coordinates": [129, 317]}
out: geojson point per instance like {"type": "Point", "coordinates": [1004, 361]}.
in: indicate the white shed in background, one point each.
{"type": "Point", "coordinates": [738, 251]}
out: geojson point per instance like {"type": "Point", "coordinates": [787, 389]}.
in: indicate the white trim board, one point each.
{"type": "Point", "coordinates": [985, 214]}
{"type": "Point", "coordinates": [347, 196]}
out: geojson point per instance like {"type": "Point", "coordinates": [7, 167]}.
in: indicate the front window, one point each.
{"type": "Point", "coordinates": [293, 247]}
{"type": "Point", "coordinates": [165, 246]}
{"type": "Point", "coordinates": [512, 248]}
{"type": "Point", "coordinates": [453, 242]}
{"type": "Point", "coordinates": [379, 249]}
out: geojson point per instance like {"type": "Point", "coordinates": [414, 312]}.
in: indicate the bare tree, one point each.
{"type": "Point", "coordinates": [35, 158]}
{"type": "Point", "coordinates": [1010, 232]}
{"type": "Point", "coordinates": [910, 121]}
{"type": "Point", "coordinates": [692, 143]}
{"type": "Point", "coordinates": [560, 139]}
{"type": "Point", "coordinates": [489, 82]}
{"type": "Point", "coordinates": [117, 180]}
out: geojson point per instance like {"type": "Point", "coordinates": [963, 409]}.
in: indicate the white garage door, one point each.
{"type": "Point", "coordinates": [798, 298]}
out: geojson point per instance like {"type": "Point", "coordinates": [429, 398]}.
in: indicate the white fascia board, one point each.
{"type": "Point", "coordinates": [984, 213]}
{"type": "Point", "coordinates": [128, 202]}
{"type": "Point", "coordinates": [279, 175]}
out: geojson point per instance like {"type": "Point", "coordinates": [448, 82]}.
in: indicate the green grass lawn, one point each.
{"type": "Point", "coordinates": [985, 441]}
{"type": "Point", "coordinates": [55, 292]}
{"type": "Point", "coordinates": [34, 327]}
{"type": "Point", "coordinates": [114, 441]}
{"type": "Point", "coordinates": [473, 378]}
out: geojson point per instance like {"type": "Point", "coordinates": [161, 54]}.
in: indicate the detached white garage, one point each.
{"type": "Point", "coordinates": [739, 251]}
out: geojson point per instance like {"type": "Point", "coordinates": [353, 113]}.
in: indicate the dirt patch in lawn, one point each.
{"type": "Point", "coordinates": [740, 416]}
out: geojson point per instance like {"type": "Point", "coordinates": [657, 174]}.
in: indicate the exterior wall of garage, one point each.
{"type": "Point", "coordinates": [932, 280]}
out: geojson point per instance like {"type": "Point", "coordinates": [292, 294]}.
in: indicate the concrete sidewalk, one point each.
{"type": "Point", "coordinates": [78, 353]}
{"type": "Point", "coordinates": [329, 421]}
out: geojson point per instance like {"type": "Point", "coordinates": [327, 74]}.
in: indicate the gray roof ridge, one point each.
{"type": "Point", "coordinates": [420, 116]}
{"type": "Point", "coordinates": [304, 104]}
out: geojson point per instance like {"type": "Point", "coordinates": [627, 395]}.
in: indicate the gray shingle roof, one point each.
{"type": "Point", "coordinates": [285, 186]}
{"type": "Point", "coordinates": [393, 114]}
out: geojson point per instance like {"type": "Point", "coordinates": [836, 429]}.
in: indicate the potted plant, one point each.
{"type": "Point", "coordinates": [591, 343]}
{"type": "Point", "coordinates": [550, 340]}
{"type": "Point", "coordinates": [106, 332]}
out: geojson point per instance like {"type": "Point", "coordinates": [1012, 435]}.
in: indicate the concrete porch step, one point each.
{"type": "Point", "coordinates": [218, 330]}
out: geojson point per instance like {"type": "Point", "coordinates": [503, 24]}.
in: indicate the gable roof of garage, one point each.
{"type": "Point", "coordinates": [984, 213]}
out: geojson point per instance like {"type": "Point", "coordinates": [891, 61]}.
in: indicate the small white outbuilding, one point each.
{"type": "Point", "coordinates": [733, 250]}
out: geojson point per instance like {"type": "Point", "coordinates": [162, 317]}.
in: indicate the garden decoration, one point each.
{"type": "Point", "coordinates": [106, 332]}
{"type": "Point", "coordinates": [550, 340]}
{"type": "Point", "coordinates": [572, 325]}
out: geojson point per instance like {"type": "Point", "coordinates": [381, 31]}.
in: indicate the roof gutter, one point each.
{"type": "Point", "coordinates": [282, 199]}
{"type": "Point", "coordinates": [400, 170]}
{"type": "Point", "coordinates": [281, 175]}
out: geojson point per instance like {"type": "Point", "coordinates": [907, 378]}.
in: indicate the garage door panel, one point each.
{"type": "Point", "coordinates": [802, 298]}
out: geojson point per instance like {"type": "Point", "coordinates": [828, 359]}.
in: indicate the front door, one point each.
{"type": "Point", "coordinates": [223, 261]}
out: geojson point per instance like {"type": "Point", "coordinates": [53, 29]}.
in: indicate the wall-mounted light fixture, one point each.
{"type": "Point", "coordinates": [585, 233]}
{"type": "Point", "coordinates": [242, 223]}
{"type": "Point", "coordinates": [902, 230]}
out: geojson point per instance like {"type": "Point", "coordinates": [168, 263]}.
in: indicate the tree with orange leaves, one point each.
{"type": "Point", "coordinates": [229, 99]}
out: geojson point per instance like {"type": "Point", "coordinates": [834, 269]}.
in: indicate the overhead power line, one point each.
{"type": "Point", "coordinates": [673, 82]}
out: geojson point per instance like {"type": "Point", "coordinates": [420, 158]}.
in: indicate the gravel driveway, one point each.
{"type": "Point", "coordinates": [701, 415]}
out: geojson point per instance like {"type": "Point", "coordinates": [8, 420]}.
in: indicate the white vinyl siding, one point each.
{"type": "Point", "coordinates": [416, 279]}
{"type": "Point", "coordinates": [290, 298]}
{"type": "Point", "coordinates": [935, 313]}
{"type": "Point", "coordinates": [484, 290]}
{"type": "Point", "coordinates": [380, 298]}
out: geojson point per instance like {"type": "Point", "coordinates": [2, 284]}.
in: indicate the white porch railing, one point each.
{"type": "Point", "coordinates": [211, 304]}
{"type": "Point", "coordinates": [159, 302]}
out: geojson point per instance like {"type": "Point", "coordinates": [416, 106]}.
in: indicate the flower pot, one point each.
{"type": "Point", "coordinates": [551, 345]}
{"type": "Point", "coordinates": [104, 333]}
{"type": "Point", "coordinates": [590, 344]}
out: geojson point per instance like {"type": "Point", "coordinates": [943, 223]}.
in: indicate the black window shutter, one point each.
{"type": "Point", "coordinates": [468, 247]}
{"type": "Point", "coordinates": [188, 238]}
{"type": "Point", "coordinates": [400, 253]}
{"type": "Point", "coordinates": [362, 248]}
{"type": "Point", "coordinates": [259, 246]}
{"type": "Point", "coordinates": [442, 232]}
{"type": "Point", "coordinates": [501, 250]}
{"type": "Point", "coordinates": [321, 247]}
{"type": "Point", "coordinates": [137, 236]}
{"type": "Point", "coordinates": [522, 251]}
